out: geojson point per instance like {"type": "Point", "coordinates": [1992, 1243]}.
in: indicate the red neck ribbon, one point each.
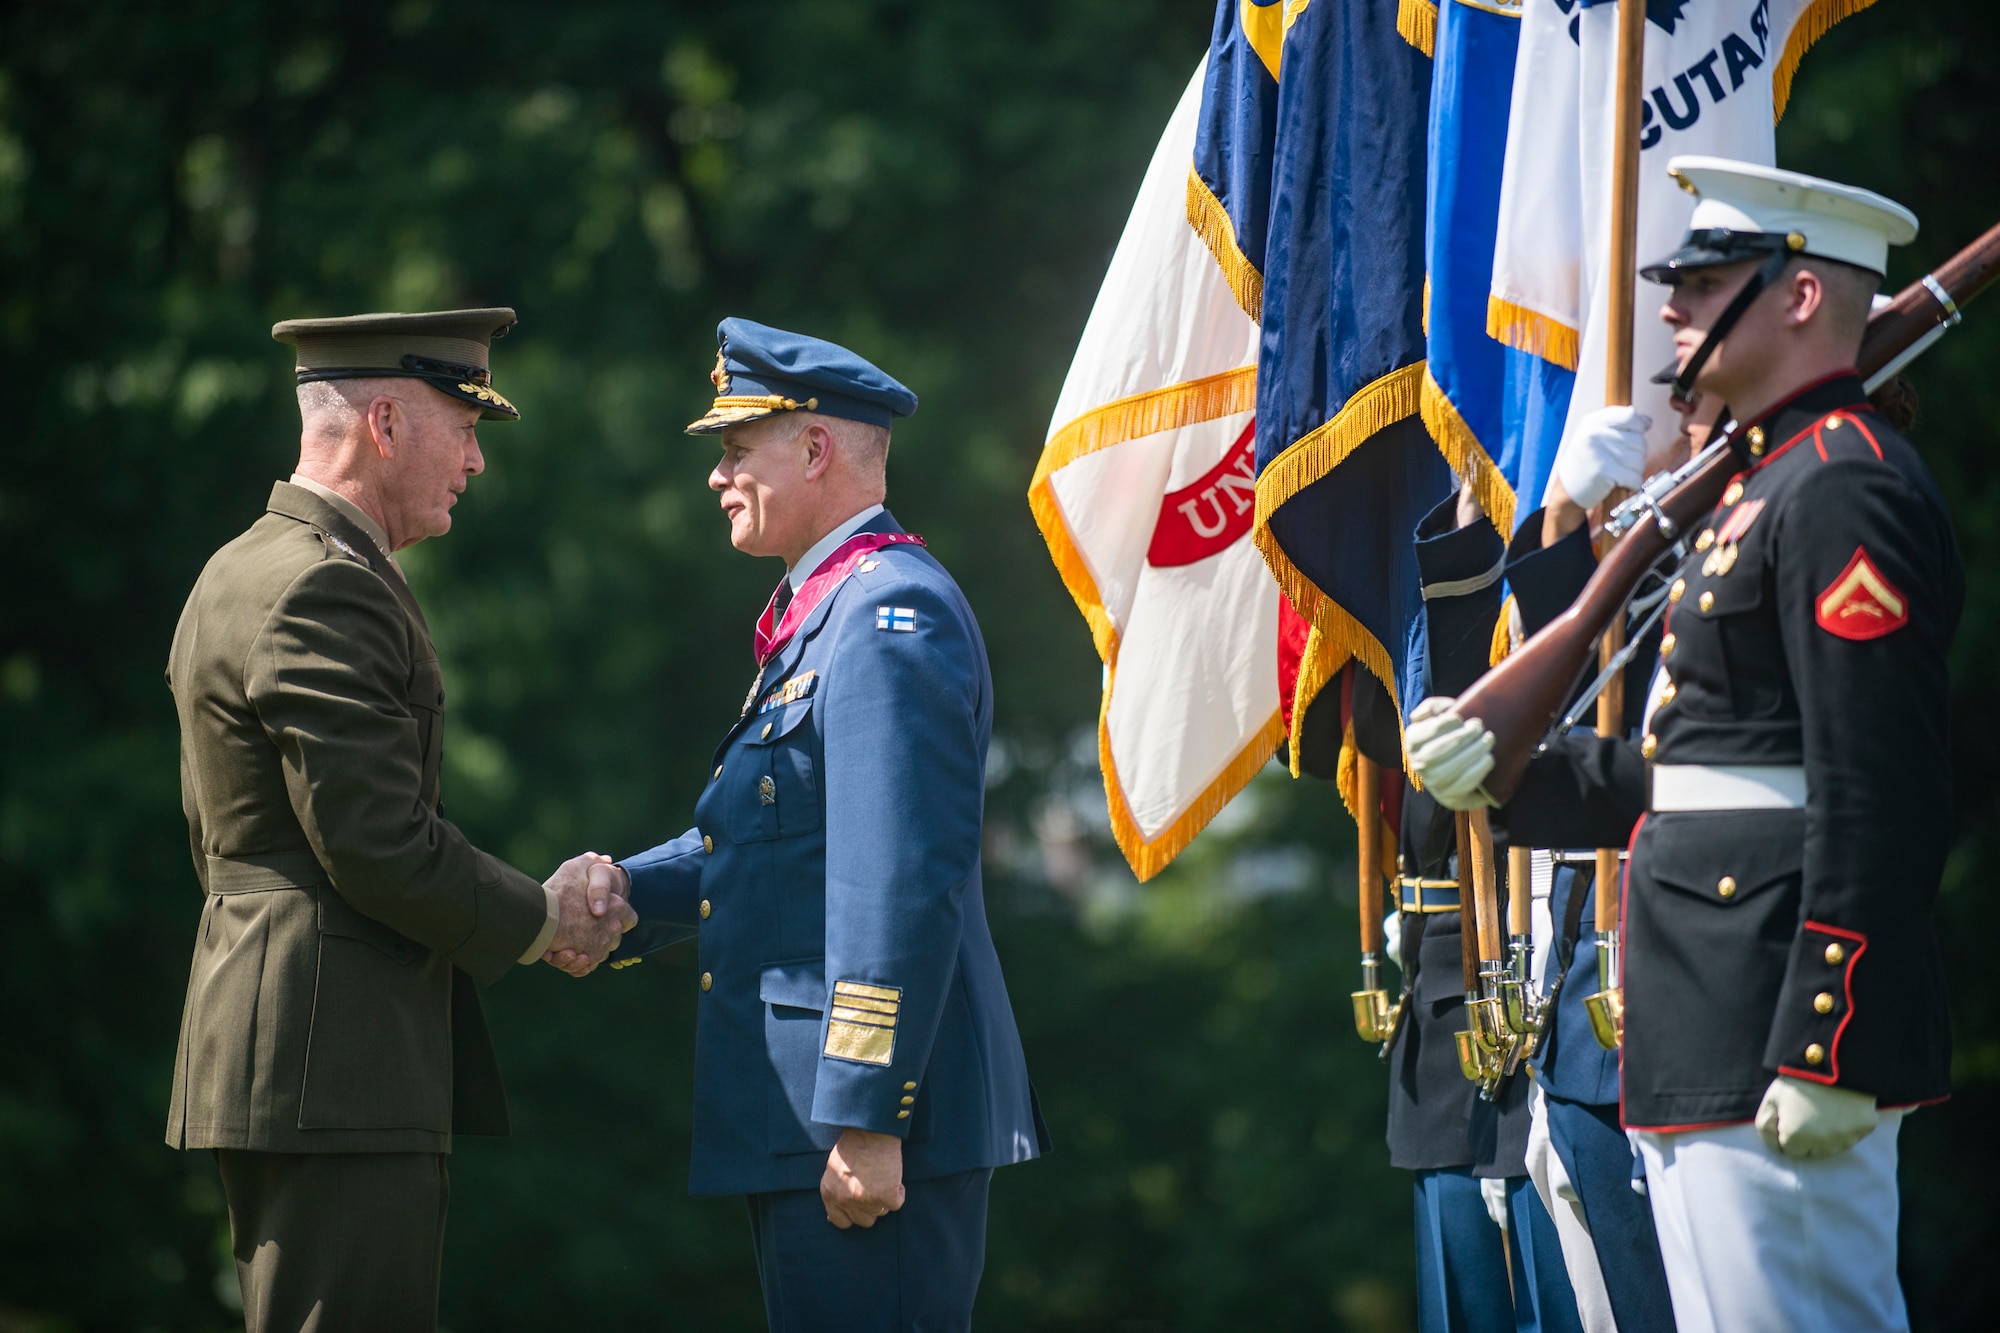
{"type": "Point", "coordinates": [771, 638]}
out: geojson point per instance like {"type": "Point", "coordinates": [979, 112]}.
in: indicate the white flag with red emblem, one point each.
{"type": "Point", "coordinates": [1145, 493]}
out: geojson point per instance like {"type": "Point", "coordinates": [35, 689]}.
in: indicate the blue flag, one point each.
{"type": "Point", "coordinates": [1312, 151]}
{"type": "Point", "coordinates": [1467, 401]}
{"type": "Point", "coordinates": [1229, 185]}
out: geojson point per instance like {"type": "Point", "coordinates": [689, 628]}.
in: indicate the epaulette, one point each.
{"type": "Point", "coordinates": [1845, 431]}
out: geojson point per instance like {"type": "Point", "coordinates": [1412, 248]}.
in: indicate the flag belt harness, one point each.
{"type": "Point", "coordinates": [1728, 787]}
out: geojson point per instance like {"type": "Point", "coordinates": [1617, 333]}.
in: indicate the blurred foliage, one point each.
{"type": "Point", "coordinates": [938, 186]}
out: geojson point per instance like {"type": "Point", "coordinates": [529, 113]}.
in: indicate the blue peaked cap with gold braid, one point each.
{"type": "Point", "coordinates": [761, 371]}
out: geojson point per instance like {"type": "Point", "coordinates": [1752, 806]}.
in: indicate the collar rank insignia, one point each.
{"type": "Point", "coordinates": [1861, 604]}
{"type": "Point", "coordinates": [798, 687]}
{"type": "Point", "coordinates": [903, 618]}
{"type": "Point", "coordinates": [342, 547]}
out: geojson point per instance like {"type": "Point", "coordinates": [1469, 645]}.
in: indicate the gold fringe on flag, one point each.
{"type": "Point", "coordinates": [1417, 24]}
{"type": "Point", "coordinates": [1374, 408]}
{"type": "Point", "coordinates": [1531, 331]}
{"type": "Point", "coordinates": [1134, 417]}
{"type": "Point", "coordinates": [1149, 858]}
{"type": "Point", "coordinates": [1185, 404]}
{"type": "Point", "coordinates": [1320, 663]}
{"type": "Point", "coordinates": [1814, 22]}
{"type": "Point", "coordinates": [1461, 449]}
{"type": "Point", "coordinates": [1210, 221]}
{"type": "Point", "coordinates": [1503, 634]}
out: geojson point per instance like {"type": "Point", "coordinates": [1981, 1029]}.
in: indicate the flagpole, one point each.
{"type": "Point", "coordinates": [1618, 393]}
{"type": "Point", "coordinates": [1372, 1019]}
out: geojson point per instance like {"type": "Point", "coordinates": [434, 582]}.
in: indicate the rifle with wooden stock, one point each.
{"type": "Point", "coordinates": [1519, 700]}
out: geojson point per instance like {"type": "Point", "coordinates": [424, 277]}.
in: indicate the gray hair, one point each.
{"type": "Point", "coordinates": [321, 400]}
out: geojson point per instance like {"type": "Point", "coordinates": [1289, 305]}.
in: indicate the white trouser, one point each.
{"type": "Point", "coordinates": [1559, 1196]}
{"type": "Point", "coordinates": [1755, 1241]}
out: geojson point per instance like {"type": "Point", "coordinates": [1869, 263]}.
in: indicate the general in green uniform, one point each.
{"type": "Point", "coordinates": [332, 1041]}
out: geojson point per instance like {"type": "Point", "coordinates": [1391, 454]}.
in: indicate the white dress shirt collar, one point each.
{"type": "Point", "coordinates": [825, 546]}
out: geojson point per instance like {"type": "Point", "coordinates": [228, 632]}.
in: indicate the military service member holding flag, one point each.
{"type": "Point", "coordinates": [1789, 805]}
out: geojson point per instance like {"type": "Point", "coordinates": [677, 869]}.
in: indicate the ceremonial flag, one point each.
{"type": "Point", "coordinates": [1465, 389]}
{"type": "Point", "coordinates": [1145, 494]}
{"type": "Point", "coordinates": [1308, 186]}
{"type": "Point", "coordinates": [1717, 74]}
{"type": "Point", "coordinates": [1538, 246]}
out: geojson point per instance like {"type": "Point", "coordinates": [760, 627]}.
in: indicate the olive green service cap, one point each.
{"type": "Point", "coordinates": [445, 348]}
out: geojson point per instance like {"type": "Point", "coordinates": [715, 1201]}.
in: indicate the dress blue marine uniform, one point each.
{"type": "Point", "coordinates": [849, 978]}
{"type": "Point", "coordinates": [1439, 1128]}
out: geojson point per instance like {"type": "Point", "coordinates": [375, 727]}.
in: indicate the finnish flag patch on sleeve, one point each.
{"type": "Point", "coordinates": [902, 618]}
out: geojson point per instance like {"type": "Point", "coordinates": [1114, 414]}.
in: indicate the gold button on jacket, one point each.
{"type": "Point", "coordinates": [1823, 1002]}
{"type": "Point", "coordinates": [707, 981]}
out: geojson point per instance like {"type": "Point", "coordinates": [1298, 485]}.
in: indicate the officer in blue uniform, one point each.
{"type": "Point", "coordinates": [858, 1073]}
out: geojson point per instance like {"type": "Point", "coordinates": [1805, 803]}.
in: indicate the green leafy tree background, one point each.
{"type": "Point", "coordinates": [938, 185]}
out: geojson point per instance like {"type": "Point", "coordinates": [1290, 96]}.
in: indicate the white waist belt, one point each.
{"type": "Point", "coordinates": [1729, 787]}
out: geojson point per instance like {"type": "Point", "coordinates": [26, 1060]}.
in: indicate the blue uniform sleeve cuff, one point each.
{"type": "Point", "coordinates": [1546, 579]}
{"type": "Point", "coordinates": [1451, 555]}
{"type": "Point", "coordinates": [666, 895]}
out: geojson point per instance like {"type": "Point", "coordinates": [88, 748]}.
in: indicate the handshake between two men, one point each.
{"type": "Point", "coordinates": [593, 913]}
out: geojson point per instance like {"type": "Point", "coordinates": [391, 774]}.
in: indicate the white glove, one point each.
{"type": "Point", "coordinates": [1605, 448]}
{"type": "Point", "coordinates": [1494, 1192]}
{"type": "Point", "coordinates": [1449, 755]}
{"type": "Point", "coordinates": [1392, 938]}
{"type": "Point", "coordinates": [1800, 1118]}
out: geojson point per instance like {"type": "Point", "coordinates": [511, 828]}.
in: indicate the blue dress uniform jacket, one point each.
{"type": "Point", "coordinates": [1436, 1119]}
{"type": "Point", "coordinates": [1795, 941]}
{"type": "Point", "coordinates": [848, 975]}
{"type": "Point", "coordinates": [1438, 1126]}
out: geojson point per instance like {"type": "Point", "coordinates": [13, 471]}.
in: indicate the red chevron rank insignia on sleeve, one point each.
{"type": "Point", "coordinates": [1861, 604]}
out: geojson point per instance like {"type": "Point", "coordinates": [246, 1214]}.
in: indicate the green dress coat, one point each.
{"type": "Point", "coordinates": [332, 1004]}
